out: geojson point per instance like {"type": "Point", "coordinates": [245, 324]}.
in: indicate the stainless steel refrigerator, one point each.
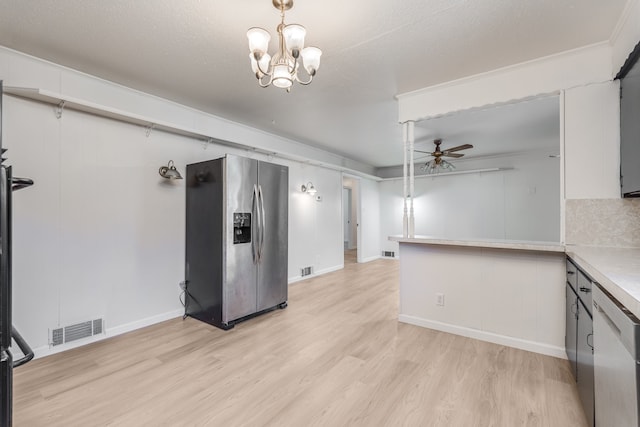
{"type": "Point", "coordinates": [236, 239]}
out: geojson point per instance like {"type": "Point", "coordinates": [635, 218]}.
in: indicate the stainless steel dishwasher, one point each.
{"type": "Point", "coordinates": [616, 339]}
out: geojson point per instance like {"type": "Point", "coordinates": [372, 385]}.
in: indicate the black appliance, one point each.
{"type": "Point", "coordinates": [629, 77]}
{"type": "Point", "coordinates": [8, 184]}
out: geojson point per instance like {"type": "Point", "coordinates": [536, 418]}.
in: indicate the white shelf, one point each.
{"type": "Point", "coordinates": [435, 175]}
{"type": "Point", "coordinates": [67, 102]}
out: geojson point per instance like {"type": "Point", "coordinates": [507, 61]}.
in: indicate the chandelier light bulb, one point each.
{"type": "Point", "coordinates": [311, 59]}
{"type": "Point", "coordinates": [282, 76]}
{"type": "Point", "coordinates": [294, 38]}
{"type": "Point", "coordinates": [258, 40]}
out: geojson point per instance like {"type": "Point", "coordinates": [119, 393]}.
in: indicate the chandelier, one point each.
{"type": "Point", "coordinates": [281, 70]}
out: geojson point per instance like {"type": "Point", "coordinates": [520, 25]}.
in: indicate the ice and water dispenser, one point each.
{"type": "Point", "coordinates": [241, 227]}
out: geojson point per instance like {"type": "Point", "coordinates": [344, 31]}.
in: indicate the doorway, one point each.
{"type": "Point", "coordinates": [346, 202]}
{"type": "Point", "coordinates": [350, 219]}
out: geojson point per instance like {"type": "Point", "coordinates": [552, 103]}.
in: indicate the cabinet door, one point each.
{"type": "Point", "coordinates": [572, 272]}
{"type": "Point", "coordinates": [583, 288]}
{"type": "Point", "coordinates": [585, 361]}
{"type": "Point", "coordinates": [571, 333]}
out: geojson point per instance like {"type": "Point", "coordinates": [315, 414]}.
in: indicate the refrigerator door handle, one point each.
{"type": "Point", "coordinates": [262, 221]}
{"type": "Point", "coordinates": [255, 208]}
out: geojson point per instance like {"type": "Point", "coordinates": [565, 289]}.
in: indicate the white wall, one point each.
{"type": "Point", "coordinates": [101, 234]}
{"type": "Point", "coordinates": [518, 204]}
{"type": "Point", "coordinates": [370, 226]}
{"type": "Point", "coordinates": [315, 227]}
{"type": "Point", "coordinates": [509, 297]}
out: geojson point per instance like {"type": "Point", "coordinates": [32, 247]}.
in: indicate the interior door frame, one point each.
{"type": "Point", "coordinates": [355, 200]}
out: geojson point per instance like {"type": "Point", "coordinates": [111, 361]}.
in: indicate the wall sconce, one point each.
{"type": "Point", "coordinates": [309, 189]}
{"type": "Point", "coordinates": [169, 171]}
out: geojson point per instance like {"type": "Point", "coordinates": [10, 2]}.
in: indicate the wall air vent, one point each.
{"type": "Point", "coordinates": [306, 271]}
{"type": "Point", "coordinates": [390, 254]}
{"type": "Point", "coordinates": [74, 332]}
{"type": "Point", "coordinates": [97, 326]}
{"type": "Point", "coordinates": [57, 336]}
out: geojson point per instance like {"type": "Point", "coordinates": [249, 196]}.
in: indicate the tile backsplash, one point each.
{"type": "Point", "coordinates": [603, 222]}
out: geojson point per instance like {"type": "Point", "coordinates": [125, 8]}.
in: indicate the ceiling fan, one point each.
{"type": "Point", "coordinates": [438, 164]}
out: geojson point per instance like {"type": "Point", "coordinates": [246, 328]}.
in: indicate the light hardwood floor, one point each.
{"type": "Point", "coordinates": [336, 356]}
{"type": "Point", "coordinates": [350, 256]}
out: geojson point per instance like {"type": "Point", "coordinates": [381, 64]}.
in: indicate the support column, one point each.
{"type": "Point", "coordinates": [411, 138]}
{"type": "Point", "coordinates": [405, 216]}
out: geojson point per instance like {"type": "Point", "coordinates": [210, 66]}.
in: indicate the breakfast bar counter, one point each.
{"type": "Point", "coordinates": [509, 292]}
{"type": "Point", "coordinates": [506, 291]}
{"type": "Point", "coordinates": [527, 245]}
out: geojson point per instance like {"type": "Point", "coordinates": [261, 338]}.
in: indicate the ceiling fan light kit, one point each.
{"type": "Point", "coordinates": [438, 164]}
{"type": "Point", "coordinates": [281, 70]}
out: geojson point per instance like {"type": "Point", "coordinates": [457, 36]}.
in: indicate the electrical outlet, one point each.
{"type": "Point", "coordinates": [440, 299]}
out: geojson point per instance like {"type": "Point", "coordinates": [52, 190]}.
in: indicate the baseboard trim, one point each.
{"type": "Point", "coordinates": [109, 332]}
{"type": "Point", "coordinates": [371, 258]}
{"type": "Point", "coordinates": [533, 346]}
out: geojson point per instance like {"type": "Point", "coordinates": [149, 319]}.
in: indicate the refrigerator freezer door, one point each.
{"type": "Point", "coordinates": [273, 184]}
{"type": "Point", "coordinates": [204, 267]}
{"type": "Point", "coordinates": [239, 293]}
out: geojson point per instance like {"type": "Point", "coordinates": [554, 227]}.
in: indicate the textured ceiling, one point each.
{"type": "Point", "coordinates": [195, 52]}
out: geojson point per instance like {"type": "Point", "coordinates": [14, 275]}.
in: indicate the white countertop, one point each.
{"type": "Point", "coordinates": [616, 269]}
{"type": "Point", "coordinates": [524, 245]}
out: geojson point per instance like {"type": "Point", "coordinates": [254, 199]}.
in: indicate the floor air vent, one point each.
{"type": "Point", "coordinates": [75, 332]}
{"type": "Point", "coordinates": [390, 254]}
{"type": "Point", "coordinates": [306, 271]}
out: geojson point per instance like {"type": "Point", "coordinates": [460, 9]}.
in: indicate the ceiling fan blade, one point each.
{"type": "Point", "coordinates": [458, 148]}
{"type": "Point", "coordinates": [455, 155]}
{"type": "Point", "coordinates": [425, 152]}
